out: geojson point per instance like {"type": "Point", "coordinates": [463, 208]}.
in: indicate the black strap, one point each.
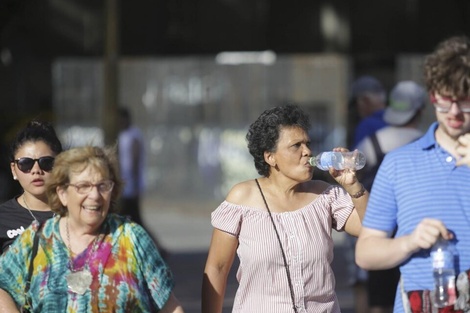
{"type": "Point", "coordinates": [31, 262]}
{"type": "Point", "coordinates": [378, 152]}
{"type": "Point", "coordinates": [289, 280]}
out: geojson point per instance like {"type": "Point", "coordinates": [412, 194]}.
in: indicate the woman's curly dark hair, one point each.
{"type": "Point", "coordinates": [263, 134]}
{"type": "Point", "coordinates": [447, 69]}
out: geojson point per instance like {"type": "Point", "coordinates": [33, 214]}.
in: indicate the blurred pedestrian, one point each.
{"type": "Point", "coordinates": [31, 156]}
{"type": "Point", "coordinates": [280, 225]}
{"type": "Point", "coordinates": [403, 115]}
{"type": "Point", "coordinates": [369, 99]}
{"type": "Point", "coordinates": [87, 258]}
{"type": "Point", "coordinates": [131, 151]}
{"type": "Point", "coordinates": [132, 164]}
{"type": "Point", "coordinates": [367, 103]}
{"type": "Point", "coordinates": [421, 190]}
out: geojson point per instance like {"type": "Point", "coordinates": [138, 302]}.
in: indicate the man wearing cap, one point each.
{"type": "Point", "coordinates": [403, 114]}
{"type": "Point", "coordinates": [422, 191]}
{"type": "Point", "coordinates": [406, 102]}
{"type": "Point", "coordinates": [368, 97]}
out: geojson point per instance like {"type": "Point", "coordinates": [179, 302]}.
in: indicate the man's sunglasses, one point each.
{"type": "Point", "coordinates": [26, 164]}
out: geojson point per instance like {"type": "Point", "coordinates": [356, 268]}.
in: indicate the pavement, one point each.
{"type": "Point", "coordinates": [183, 228]}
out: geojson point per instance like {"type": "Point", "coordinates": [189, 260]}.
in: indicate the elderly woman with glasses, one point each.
{"type": "Point", "coordinates": [31, 155]}
{"type": "Point", "coordinates": [88, 259]}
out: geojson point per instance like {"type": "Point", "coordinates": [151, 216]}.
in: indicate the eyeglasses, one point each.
{"type": "Point", "coordinates": [26, 164]}
{"type": "Point", "coordinates": [444, 104]}
{"type": "Point", "coordinates": [85, 187]}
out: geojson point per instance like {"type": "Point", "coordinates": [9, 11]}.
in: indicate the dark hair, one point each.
{"type": "Point", "coordinates": [447, 69]}
{"type": "Point", "coordinates": [125, 119]}
{"type": "Point", "coordinates": [75, 160]}
{"type": "Point", "coordinates": [33, 132]}
{"type": "Point", "coordinates": [263, 134]}
{"type": "Point", "coordinates": [124, 113]}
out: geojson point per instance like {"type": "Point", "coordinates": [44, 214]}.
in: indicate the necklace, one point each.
{"type": "Point", "coordinates": [27, 208]}
{"type": "Point", "coordinates": [79, 280]}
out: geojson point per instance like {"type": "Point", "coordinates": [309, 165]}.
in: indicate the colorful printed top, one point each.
{"type": "Point", "coordinates": [129, 274]}
{"type": "Point", "coordinates": [306, 236]}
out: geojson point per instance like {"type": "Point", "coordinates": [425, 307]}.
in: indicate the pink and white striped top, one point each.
{"type": "Point", "coordinates": [307, 242]}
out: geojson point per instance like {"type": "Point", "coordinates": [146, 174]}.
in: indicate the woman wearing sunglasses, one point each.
{"type": "Point", "coordinates": [31, 156]}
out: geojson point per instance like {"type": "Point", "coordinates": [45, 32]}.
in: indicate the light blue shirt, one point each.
{"type": "Point", "coordinates": [417, 181]}
{"type": "Point", "coordinates": [134, 185]}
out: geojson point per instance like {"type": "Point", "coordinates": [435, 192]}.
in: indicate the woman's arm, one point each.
{"type": "Point", "coordinates": [7, 305]}
{"type": "Point", "coordinates": [218, 264]}
{"type": "Point", "coordinates": [172, 305]}
{"type": "Point", "coordinates": [359, 197]}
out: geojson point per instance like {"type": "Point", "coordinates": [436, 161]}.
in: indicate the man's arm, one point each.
{"type": "Point", "coordinates": [376, 250]}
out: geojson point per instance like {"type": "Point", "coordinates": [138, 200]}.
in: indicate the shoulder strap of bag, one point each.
{"type": "Point", "coordinates": [33, 255]}
{"type": "Point", "coordinates": [284, 258]}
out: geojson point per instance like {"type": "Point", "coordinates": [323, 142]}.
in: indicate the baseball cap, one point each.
{"type": "Point", "coordinates": [406, 98]}
{"type": "Point", "coordinates": [365, 84]}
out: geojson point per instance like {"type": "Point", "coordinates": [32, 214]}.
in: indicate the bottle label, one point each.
{"type": "Point", "coordinates": [442, 259]}
{"type": "Point", "coordinates": [325, 160]}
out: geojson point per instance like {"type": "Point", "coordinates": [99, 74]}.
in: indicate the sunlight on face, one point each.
{"type": "Point", "coordinates": [90, 208]}
{"type": "Point", "coordinates": [33, 181]}
{"type": "Point", "coordinates": [292, 153]}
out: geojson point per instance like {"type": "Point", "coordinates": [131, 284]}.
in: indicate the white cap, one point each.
{"type": "Point", "coordinates": [406, 99]}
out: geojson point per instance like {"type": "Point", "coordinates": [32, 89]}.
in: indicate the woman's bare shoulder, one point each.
{"type": "Point", "coordinates": [243, 193]}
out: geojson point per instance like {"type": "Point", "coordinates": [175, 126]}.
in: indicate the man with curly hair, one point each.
{"type": "Point", "coordinates": [421, 190]}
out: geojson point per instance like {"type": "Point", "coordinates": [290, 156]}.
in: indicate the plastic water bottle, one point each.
{"type": "Point", "coordinates": [442, 254]}
{"type": "Point", "coordinates": [339, 160]}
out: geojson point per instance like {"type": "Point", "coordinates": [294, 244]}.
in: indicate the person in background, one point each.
{"type": "Point", "coordinates": [367, 105]}
{"type": "Point", "coordinates": [131, 150]}
{"type": "Point", "coordinates": [421, 189]}
{"type": "Point", "coordinates": [369, 99]}
{"type": "Point", "coordinates": [31, 157]}
{"type": "Point", "coordinates": [280, 225]}
{"type": "Point", "coordinates": [132, 164]}
{"type": "Point", "coordinates": [403, 114]}
{"type": "Point", "coordinates": [89, 259]}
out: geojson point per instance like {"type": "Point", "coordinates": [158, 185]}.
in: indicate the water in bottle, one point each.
{"type": "Point", "coordinates": [339, 160]}
{"type": "Point", "coordinates": [442, 255]}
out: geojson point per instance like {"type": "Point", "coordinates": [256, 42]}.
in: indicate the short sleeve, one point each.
{"type": "Point", "coordinates": [341, 206]}
{"type": "Point", "coordinates": [155, 271]}
{"type": "Point", "coordinates": [228, 218]}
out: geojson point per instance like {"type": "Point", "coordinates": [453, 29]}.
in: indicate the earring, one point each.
{"type": "Point", "coordinates": [15, 178]}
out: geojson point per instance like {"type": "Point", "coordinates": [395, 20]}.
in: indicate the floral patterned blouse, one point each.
{"type": "Point", "coordinates": [128, 273]}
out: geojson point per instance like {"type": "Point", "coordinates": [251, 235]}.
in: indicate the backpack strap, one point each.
{"type": "Point", "coordinates": [378, 152]}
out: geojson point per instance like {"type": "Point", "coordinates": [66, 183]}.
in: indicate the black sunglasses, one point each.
{"type": "Point", "coordinates": [26, 164]}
